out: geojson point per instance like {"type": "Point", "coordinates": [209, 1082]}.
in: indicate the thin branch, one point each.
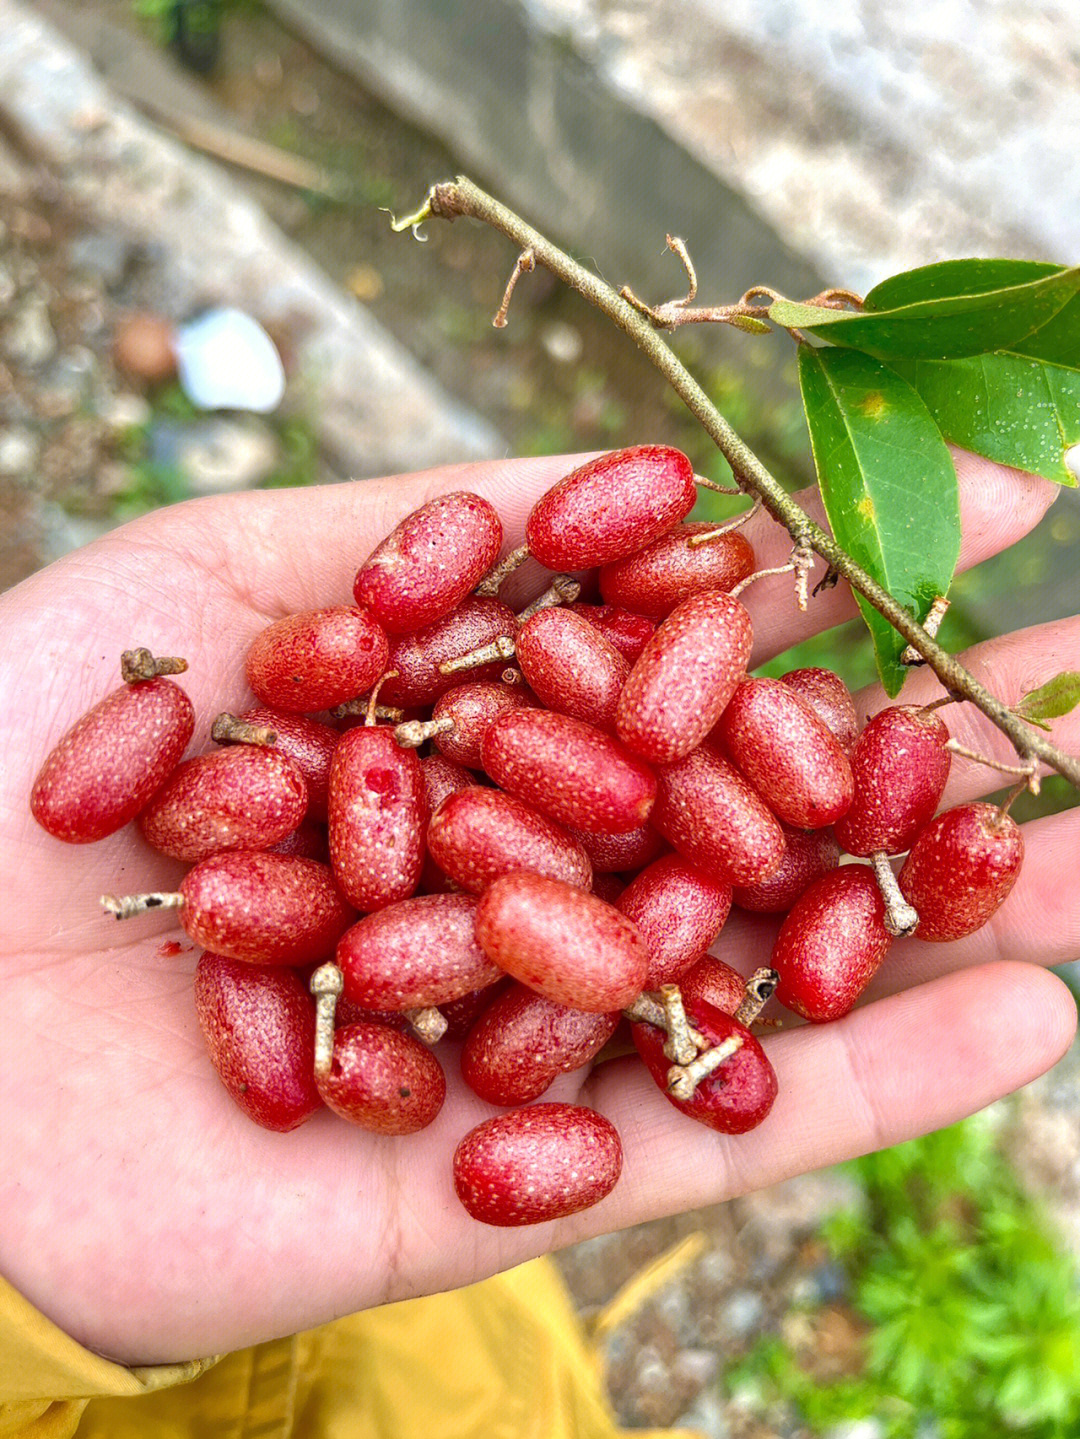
{"type": "Point", "coordinates": [460, 197]}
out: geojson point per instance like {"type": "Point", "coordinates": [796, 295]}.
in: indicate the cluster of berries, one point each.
{"type": "Point", "coordinates": [604, 782]}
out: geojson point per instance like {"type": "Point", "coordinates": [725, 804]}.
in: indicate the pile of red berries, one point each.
{"type": "Point", "coordinates": [605, 781]}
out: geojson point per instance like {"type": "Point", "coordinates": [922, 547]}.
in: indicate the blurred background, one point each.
{"type": "Point", "coordinates": [170, 173]}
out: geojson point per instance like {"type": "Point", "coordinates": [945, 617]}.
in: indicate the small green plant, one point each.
{"type": "Point", "coordinates": [974, 1310]}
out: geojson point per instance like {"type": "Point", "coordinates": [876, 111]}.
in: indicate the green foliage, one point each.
{"type": "Point", "coordinates": [873, 438]}
{"type": "Point", "coordinates": [974, 1311]}
{"type": "Point", "coordinates": [1058, 696]}
{"type": "Point", "coordinates": [150, 486]}
{"type": "Point", "coordinates": [984, 354]}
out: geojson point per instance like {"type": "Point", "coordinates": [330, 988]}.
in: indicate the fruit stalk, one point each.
{"type": "Point", "coordinates": [900, 919]}
{"type": "Point", "coordinates": [326, 984]}
{"type": "Point", "coordinates": [454, 198]}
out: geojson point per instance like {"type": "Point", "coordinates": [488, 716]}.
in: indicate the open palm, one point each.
{"type": "Point", "coordinates": [148, 1217]}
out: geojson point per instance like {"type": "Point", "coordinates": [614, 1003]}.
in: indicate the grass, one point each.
{"type": "Point", "coordinates": [973, 1312]}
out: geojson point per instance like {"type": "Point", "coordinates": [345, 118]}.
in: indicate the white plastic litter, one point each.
{"type": "Point", "coordinates": [227, 361]}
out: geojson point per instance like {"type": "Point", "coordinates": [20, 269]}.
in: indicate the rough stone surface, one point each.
{"type": "Point", "coordinates": [377, 411]}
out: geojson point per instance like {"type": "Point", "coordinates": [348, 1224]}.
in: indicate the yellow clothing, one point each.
{"type": "Point", "coordinates": [505, 1359]}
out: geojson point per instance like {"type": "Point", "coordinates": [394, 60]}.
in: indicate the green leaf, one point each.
{"type": "Point", "coordinates": [1058, 341]}
{"type": "Point", "coordinates": [1012, 409]}
{"type": "Point", "coordinates": [945, 328]}
{"type": "Point", "coordinates": [1057, 697]}
{"type": "Point", "coordinates": [888, 484]}
{"type": "Point", "coordinates": [949, 278]}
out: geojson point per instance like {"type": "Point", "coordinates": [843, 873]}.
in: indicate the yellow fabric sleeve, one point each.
{"type": "Point", "coordinates": [504, 1359]}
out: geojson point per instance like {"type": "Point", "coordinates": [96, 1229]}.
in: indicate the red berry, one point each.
{"type": "Point", "coordinates": [618, 853]}
{"type": "Point", "coordinates": [243, 797]}
{"type": "Point", "coordinates": [827, 694]}
{"type": "Point", "coordinates": [628, 633]}
{"type": "Point", "coordinates": [474, 708]}
{"type": "Point", "coordinates": [571, 667]}
{"type": "Point", "coordinates": [678, 911]}
{"type": "Point", "coordinates": [611, 507]}
{"type": "Point", "coordinates": [537, 1164]}
{"type": "Point", "coordinates": [416, 657]}
{"type": "Point", "coordinates": [317, 659]}
{"type": "Point", "coordinates": [481, 834]}
{"type": "Point", "coordinates": [686, 674]}
{"type": "Point", "coordinates": [657, 578]}
{"type": "Point", "coordinates": [259, 1026]}
{"type": "Point", "coordinates": [738, 1095]}
{"type": "Point", "coordinates": [715, 982]}
{"type": "Point", "coordinates": [961, 869]}
{"type": "Point", "coordinates": [809, 855]}
{"type": "Point", "coordinates": [106, 767]}
{"type": "Point", "coordinates": [378, 818]}
{"type": "Point", "coordinates": [831, 944]}
{"type": "Point", "coordinates": [307, 840]}
{"type": "Point", "coordinates": [900, 765]}
{"type": "Point", "coordinates": [264, 908]}
{"type": "Point", "coordinates": [306, 741]}
{"type": "Point", "coordinates": [788, 754]}
{"type": "Point", "coordinates": [569, 770]}
{"type": "Point", "coordinates": [382, 1080]}
{"type": "Point", "coordinates": [562, 942]}
{"type": "Point", "coordinates": [419, 952]}
{"type": "Point", "coordinates": [443, 776]}
{"type": "Point", "coordinates": [522, 1042]}
{"type": "Point", "coordinates": [716, 820]}
{"type": "Point", "coordinates": [430, 561]}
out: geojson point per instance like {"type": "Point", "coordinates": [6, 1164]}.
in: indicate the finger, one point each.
{"type": "Point", "coordinates": [1009, 667]}
{"type": "Point", "coordinates": [998, 506]}
{"type": "Point", "coordinates": [909, 1064]}
{"type": "Point", "coordinates": [288, 550]}
{"type": "Point", "coordinates": [1039, 923]}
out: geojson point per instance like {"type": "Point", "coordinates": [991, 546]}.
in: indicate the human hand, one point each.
{"type": "Point", "coordinates": [147, 1216]}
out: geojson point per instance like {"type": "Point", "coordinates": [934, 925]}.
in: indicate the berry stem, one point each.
{"type": "Point", "coordinates": [647, 1010]}
{"type": "Point", "coordinates": [499, 649]}
{"type": "Point", "coordinates": [709, 535]}
{"type": "Point", "coordinates": [488, 587]}
{"type": "Point", "coordinates": [373, 699]}
{"type": "Point", "coordinates": [760, 988]}
{"type": "Point", "coordinates": [1029, 771]}
{"type": "Point", "coordinates": [526, 262]}
{"type": "Point", "coordinates": [326, 984]}
{"type": "Point", "coordinates": [361, 706]}
{"type": "Point", "coordinates": [683, 1080]}
{"type": "Point", "coordinates": [900, 919]}
{"type": "Point", "coordinates": [429, 1023]}
{"type": "Point", "coordinates": [125, 906]}
{"type": "Point", "coordinates": [413, 733]}
{"type": "Point", "coordinates": [563, 590]}
{"type": "Point", "coordinates": [140, 664]}
{"type": "Point", "coordinates": [680, 1045]}
{"type": "Point", "coordinates": [227, 729]}
{"type": "Point", "coordinates": [460, 197]}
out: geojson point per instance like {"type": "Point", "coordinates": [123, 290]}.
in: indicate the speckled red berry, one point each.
{"type": "Point", "coordinates": [259, 1027]}
{"type": "Point", "coordinates": [961, 869]}
{"type": "Point", "coordinates": [537, 1164]}
{"type": "Point", "coordinates": [317, 659]}
{"type": "Point", "coordinates": [657, 578]}
{"type": "Point", "coordinates": [416, 657]}
{"type": "Point", "coordinates": [378, 817]}
{"type": "Point", "coordinates": [788, 754]}
{"type": "Point", "coordinates": [382, 1080]}
{"type": "Point", "coordinates": [684, 678]}
{"type": "Point", "coordinates": [474, 708]}
{"type": "Point", "coordinates": [306, 741]}
{"type": "Point", "coordinates": [571, 667]}
{"type": "Point", "coordinates": [562, 942]}
{"type": "Point", "coordinates": [831, 944]}
{"type": "Point", "coordinates": [611, 507]}
{"type": "Point", "coordinates": [679, 912]}
{"type": "Point", "coordinates": [430, 561]}
{"type": "Point", "coordinates": [522, 1042]}
{"type": "Point", "coordinates": [243, 797]}
{"type": "Point", "coordinates": [106, 767]}
{"type": "Point", "coordinates": [479, 835]}
{"type": "Point", "coordinates": [716, 820]}
{"type": "Point", "coordinates": [829, 696]}
{"type": "Point", "coordinates": [628, 633]}
{"type": "Point", "coordinates": [419, 952]}
{"type": "Point", "coordinates": [809, 854]}
{"type": "Point", "coordinates": [900, 765]}
{"type": "Point", "coordinates": [569, 770]}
